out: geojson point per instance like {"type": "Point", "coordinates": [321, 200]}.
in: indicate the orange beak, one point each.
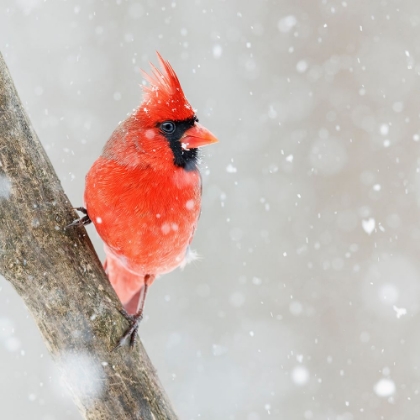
{"type": "Point", "coordinates": [197, 136]}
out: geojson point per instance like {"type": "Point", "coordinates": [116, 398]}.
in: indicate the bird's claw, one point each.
{"type": "Point", "coordinates": [85, 220]}
{"type": "Point", "coordinates": [132, 330]}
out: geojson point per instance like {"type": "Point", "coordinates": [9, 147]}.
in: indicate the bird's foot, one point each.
{"type": "Point", "coordinates": [85, 220]}
{"type": "Point", "coordinates": [132, 330]}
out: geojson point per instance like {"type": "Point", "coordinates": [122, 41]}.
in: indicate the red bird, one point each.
{"type": "Point", "coordinates": [143, 193]}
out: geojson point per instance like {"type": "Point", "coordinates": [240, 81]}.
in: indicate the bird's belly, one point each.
{"type": "Point", "coordinates": [155, 245]}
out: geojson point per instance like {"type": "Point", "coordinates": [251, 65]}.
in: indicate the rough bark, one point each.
{"type": "Point", "coordinates": [61, 280]}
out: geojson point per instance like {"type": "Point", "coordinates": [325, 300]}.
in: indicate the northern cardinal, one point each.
{"type": "Point", "coordinates": [143, 193]}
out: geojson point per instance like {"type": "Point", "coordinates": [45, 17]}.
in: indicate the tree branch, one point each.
{"type": "Point", "coordinates": [61, 280]}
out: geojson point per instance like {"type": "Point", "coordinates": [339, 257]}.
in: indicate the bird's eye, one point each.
{"type": "Point", "coordinates": [168, 127]}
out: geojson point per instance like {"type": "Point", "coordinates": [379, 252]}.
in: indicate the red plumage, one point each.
{"type": "Point", "coordinates": [143, 193]}
{"type": "Point", "coordinates": [164, 97]}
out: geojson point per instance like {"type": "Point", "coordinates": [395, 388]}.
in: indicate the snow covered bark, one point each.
{"type": "Point", "coordinates": [61, 280]}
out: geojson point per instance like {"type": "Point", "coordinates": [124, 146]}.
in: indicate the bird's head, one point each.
{"type": "Point", "coordinates": [166, 117]}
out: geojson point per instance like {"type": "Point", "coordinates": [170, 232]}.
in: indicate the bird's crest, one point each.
{"type": "Point", "coordinates": [164, 96]}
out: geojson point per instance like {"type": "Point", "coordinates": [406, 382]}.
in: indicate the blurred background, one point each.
{"type": "Point", "coordinates": [305, 304]}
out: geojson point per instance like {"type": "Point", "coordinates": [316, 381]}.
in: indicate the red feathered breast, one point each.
{"type": "Point", "coordinates": [146, 217]}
